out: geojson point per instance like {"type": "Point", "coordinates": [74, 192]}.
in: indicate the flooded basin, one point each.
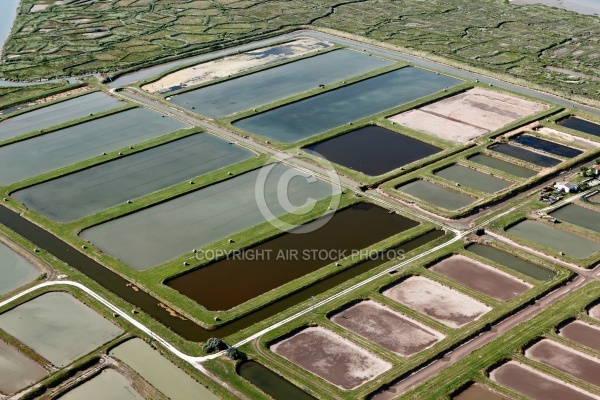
{"type": "Point", "coordinates": [513, 262]}
{"type": "Point", "coordinates": [580, 216]}
{"type": "Point", "coordinates": [438, 195]}
{"type": "Point", "coordinates": [566, 359]}
{"type": "Point", "coordinates": [547, 146]}
{"type": "Point", "coordinates": [373, 150]}
{"type": "Point", "coordinates": [83, 193]}
{"type": "Point", "coordinates": [162, 232]}
{"type": "Point", "coordinates": [58, 113]}
{"type": "Point", "coordinates": [480, 277]}
{"type": "Point", "coordinates": [474, 179]}
{"type": "Point", "coordinates": [269, 382]}
{"type": "Point", "coordinates": [535, 384]}
{"type": "Point", "coordinates": [15, 270]}
{"type": "Point", "coordinates": [582, 125]}
{"type": "Point", "coordinates": [67, 146]}
{"type": "Point", "coordinates": [525, 155]}
{"type": "Point", "coordinates": [287, 257]}
{"type": "Point", "coordinates": [479, 392]}
{"type": "Point", "coordinates": [323, 112]}
{"type": "Point", "coordinates": [276, 83]}
{"type": "Point", "coordinates": [8, 12]}
{"type": "Point", "coordinates": [437, 301]}
{"type": "Point", "coordinates": [163, 375]}
{"type": "Point", "coordinates": [504, 166]}
{"type": "Point", "coordinates": [582, 333]}
{"type": "Point", "coordinates": [17, 371]}
{"type": "Point", "coordinates": [58, 327]}
{"type": "Point", "coordinates": [589, 7]}
{"type": "Point", "coordinates": [387, 328]}
{"type": "Point", "coordinates": [331, 357]}
{"type": "Point", "coordinates": [555, 238]}
{"type": "Point", "coordinates": [109, 384]}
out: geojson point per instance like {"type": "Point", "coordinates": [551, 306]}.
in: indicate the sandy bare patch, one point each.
{"type": "Point", "coordinates": [467, 115]}
{"type": "Point", "coordinates": [332, 357]}
{"type": "Point", "coordinates": [481, 277]}
{"type": "Point", "coordinates": [234, 64]}
{"type": "Point", "coordinates": [78, 21]}
{"type": "Point", "coordinates": [95, 34]}
{"type": "Point", "coordinates": [595, 312]}
{"type": "Point", "coordinates": [387, 328]}
{"type": "Point", "coordinates": [38, 7]}
{"type": "Point", "coordinates": [437, 301]}
{"type": "Point", "coordinates": [479, 392]}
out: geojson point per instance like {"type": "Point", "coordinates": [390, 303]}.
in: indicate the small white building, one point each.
{"type": "Point", "coordinates": [596, 170]}
{"type": "Point", "coordinates": [566, 187]}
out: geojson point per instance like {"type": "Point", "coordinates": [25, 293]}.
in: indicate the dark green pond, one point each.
{"type": "Point", "coordinates": [578, 124]}
{"type": "Point", "coordinates": [269, 382]}
{"type": "Point", "coordinates": [525, 155]}
{"type": "Point", "coordinates": [512, 262]}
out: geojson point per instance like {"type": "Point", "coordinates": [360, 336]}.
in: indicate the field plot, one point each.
{"type": "Point", "coordinates": [83, 193]}
{"type": "Point", "coordinates": [269, 382]}
{"type": "Point", "coordinates": [547, 146]}
{"type": "Point", "coordinates": [373, 150]}
{"type": "Point", "coordinates": [582, 333]}
{"type": "Point", "coordinates": [387, 328]}
{"type": "Point", "coordinates": [503, 166]}
{"type": "Point", "coordinates": [474, 179]}
{"type": "Point", "coordinates": [510, 261]}
{"type": "Point", "coordinates": [479, 392]}
{"type": "Point", "coordinates": [525, 155]}
{"type": "Point", "coordinates": [332, 357]}
{"type": "Point", "coordinates": [320, 113]}
{"type": "Point", "coordinates": [276, 83]}
{"type": "Point", "coordinates": [15, 270]}
{"type": "Point", "coordinates": [480, 277]}
{"type": "Point", "coordinates": [235, 64]}
{"type": "Point", "coordinates": [67, 146]}
{"type": "Point", "coordinates": [58, 113]}
{"type": "Point", "coordinates": [537, 385]}
{"type": "Point", "coordinates": [108, 385]}
{"type": "Point", "coordinates": [162, 232]}
{"type": "Point", "coordinates": [566, 359]}
{"type": "Point", "coordinates": [16, 370]}
{"type": "Point", "coordinates": [165, 376]}
{"type": "Point", "coordinates": [468, 115]}
{"type": "Point", "coordinates": [439, 302]}
{"type": "Point", "coordinates": [582, 125]}
{"type": "Point", "coordinates": [437, 195]}
{"type": "Point", "coordinates": [58, 327]}
{"type": "Point", "coordinates": [580, 216]}
{"type": "Point", "coordinates": [555, 238]}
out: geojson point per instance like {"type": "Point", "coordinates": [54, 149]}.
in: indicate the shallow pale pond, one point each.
{"type": "Point", "coordinates": [8, 12]}
{"type": "Point", "coordinates": [589, 7]}
{"type": "Point", "coordinates": [74, 196]}
{"type": "Point", "coordinates": [58, 327]}
{"type": "Point", "coordinates": [504, 166]}
{"type": "Point", "coordinates": [474, 179]}
{"type": "Point", "coordinates": [511, 261]}
{"type": "Point", "coordinates": [581, 216]}
{"type": "Point", "coordinates": [109, 384]}
{"type": "Point", "coordinates": [67, 146]}
{"type": "Point", "coordinates": [437, 195]}
{"type": "Point", "coordinates": [15, 271]}
{"type": "Point", "coordinates": [16, 370]}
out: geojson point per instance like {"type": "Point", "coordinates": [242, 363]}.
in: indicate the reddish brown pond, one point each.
{"type": "Point", "coordinates": [582, 333]}
{"type": "Point", "coordinates": [480, 277]}
{"type": "Point", "coordinates": [478, 392]}
{"type": "Point", "coordinates": [566, 359]}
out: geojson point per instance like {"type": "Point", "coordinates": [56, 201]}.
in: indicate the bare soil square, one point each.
{"type": "Point", "coordinates": [535, 384]}
{"type": "Point", "coordinates": [595, 312]}
{"type": "Point", "coordinates": [481, 277]}
{"type": "Point", "coordinates": [479, 392]}
{"type": "Point", "coordinates": [566, 359]}
{"type": "Point", "coordinates": [467, 115]}
{"type": "Point", "coordinates": [387, 328]}
{"type": "Point", "coordinates": [331, 357]}
{"type": "Point", "coordinates": [582, 333]}
{"type": "Point", "coordinates": [437, 301]}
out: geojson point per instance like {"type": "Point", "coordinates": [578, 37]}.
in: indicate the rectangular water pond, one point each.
{"type": "Point", "coordinates": [58, 327]}
{"type": "Point", "coordinates": [67, 146]}
{"type": "Point", "coordinates": [547, 146]}
{"type": "Point", "coordinates": [373, 150]}
{"type": "Point", "coordinates": [582, 125]}
{"type": "Point", "coordinates": [320, 113]}
{"type": "Point", "coordinates": [474, 179]}
{"type": "Point", "coordinates": [17, 371]}
{"type": "Point", "coordinates": [437, 195]}
{"type": "Point", "coordinates": [525, 155]}
{"type": "Point", "coordinates": [58, 113]}
{"type": "Point", "coordinates": [555, 238]}
{"type": "Point", "coordinates": [353, 228]}
{"type": "Point", "coordinates": [15, 270]}
{"type": "Point", "coordinates": [109, 384]}
{"type": "Point", "coordinates": [83, 193]}
{"type": "Point", "coordinates": [580, 216]}
{"type": "Point", "coordinates": [504, 166]}
{"type": "Point", "coordinates": [513, 262]}
{"type": "Point", "coordinates": [163, 375]}
{"type": "Point", "coordinates": [269, 382]}
{"type": "Point", "coordinates": [276, 83]}
{"type": "Point", "coordinates": [162, 232]}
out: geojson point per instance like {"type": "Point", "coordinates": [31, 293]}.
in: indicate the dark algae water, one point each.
{"type": "Point", "coordinates": [269, 382]}
{"type": "Point", "coordinates": [547, 146]}
{"type": "Point", "coordinates": [578, 124]}
{"type": "Point", "coordinates": [525, 155]}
